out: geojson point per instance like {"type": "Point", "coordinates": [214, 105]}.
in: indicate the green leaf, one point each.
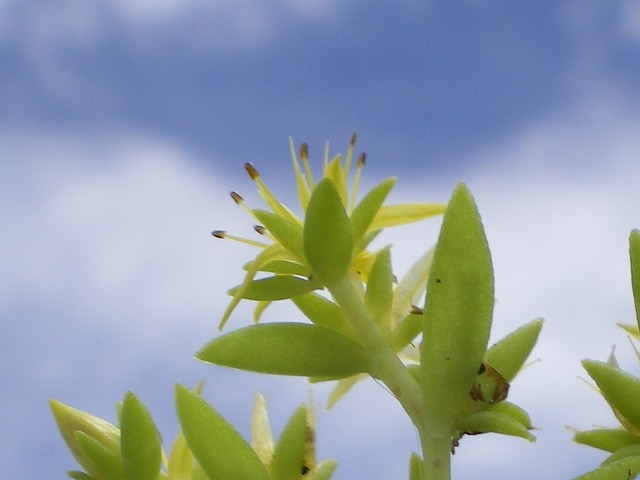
{"type": "Point", "coordinates": [624, 452]}
{"type": "Point", "coordinates": [608, 439]}
{"type": "Point", "coordinates": [634, 254]}
{"type": "Point", "coordinates": [324, 313]}
{"type": "Point", "coordinates": [278, 287]}
{"type": "Point", "coordinates": [509, 354]}
{"type": "Point", "coordinates": [288, 349]}
{"type": "Point", "coordinates": [496, 422]}
{"type": "Point", "coordinates": [366, 210]}
{"type": "Point", "coordinates": [620, 389]}
{"type": "Point", "coordinates": [379, 295]}
{"type": "Point", "coordinates": [514, 411]}
{"type": "Point", "coordinates": [457, 313]}
{"type": "Point", "coordinates": [625, 469]}
{"type": "Point", "coordinates": [288, 455]}
{"type": "Point", "coordinates": [415, 467]}
{"type": "Point", "coordinates": [328, 241]}
{"type": "Point", "coordinates": [288, 233]}
{"type": "Point", "coordinates": [105, 464]}
{"type": "Point", "coordinates": [216, 445]}
{"type": "Point", "coordinates": [139, 441]}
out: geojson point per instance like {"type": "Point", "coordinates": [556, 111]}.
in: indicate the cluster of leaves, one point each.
{"type": "Point", "coordinates": [360, 322]}
{"type": "Point", "coordinates": [621, 391]}
{"type": "Point", "coordinates": [208, 447]}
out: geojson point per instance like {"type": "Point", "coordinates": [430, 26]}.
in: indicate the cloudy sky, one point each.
{"type": "Point", "coordinates": [125, 124]}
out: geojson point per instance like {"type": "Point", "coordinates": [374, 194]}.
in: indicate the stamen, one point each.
{"type": "Point", "coordinates": [248, 241]}
{"type": "Point", "coordinates": [237, 198]}
{"type": "Point", "coordinates": [349, 155]}
{"type": "Point", "coordinates": [260, 229]}
{"type": "Point", "coordinates": [356, 179]}
{"type": "Point", "coordinates": [240, 201]}
{"type": "Point", "coordinates": [251, 170]}
{"type": "Point", "coordinates": [304, 155]}
{"type": "Point", "coordinates": [302, 184]}
{"type": "Point", "coordinates": [415, 310]}
{"type": "Point", "coordinates": [271, 200]}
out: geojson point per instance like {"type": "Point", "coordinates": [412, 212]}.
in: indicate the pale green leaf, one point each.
{"type": "Point", "coordinates": [457, 313]}
{"type": "Point", "coordinates": [216, 445]}
{"type": "Point", "coordinates": [139, 440]}
{"type": "Point", "coordinates": [509, 354]}
{"type": "Point", "coordinates": [328, 242]}
{"type": "Point", "coordinates": [288, 349]}
{"type": "Point", "coordinates": [288, 456]}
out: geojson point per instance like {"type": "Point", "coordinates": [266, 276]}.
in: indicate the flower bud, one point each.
{"type": "Point", "coordinates": [81, 430]}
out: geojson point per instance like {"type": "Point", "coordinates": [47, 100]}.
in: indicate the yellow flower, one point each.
{"type": "Point", "coordinates": [283, 254]}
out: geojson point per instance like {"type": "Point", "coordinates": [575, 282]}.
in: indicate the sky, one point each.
{"type": "Point", "coordinates": [124, 125]}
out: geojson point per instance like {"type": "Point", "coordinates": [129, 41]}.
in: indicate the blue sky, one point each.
{"type": "Point", "coordinates": [124, 125]}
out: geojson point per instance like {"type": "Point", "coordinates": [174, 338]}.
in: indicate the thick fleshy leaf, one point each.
{"type": "Point", "coordinates": [288, 457]}
{"type": "Point", "coordinates": [608, 439]}
{"type": "Point", "coordinates": [509, 354]}
{"type": "Point", "coordinates": [278, 287]}
{"type": "Point", "coordinates": [415, 467]}
{"type": "Point", "coordinates": [324, 313]}
{"type": "Point", "coordinates": [288, 349]}
{"type": "Point", "coordinates": [515, 412]}
{"type": "Point", "coordinates": [379, 295]}
{"type": "Point", "coordinates": [625, 469]}
{"type": "Point", "coordinates": [287, 232]}
{"type": "Point", "coordinates": [216, 445]}
{"type": "Point", "coordinates": [70, 421]}
{"type": "Point", "coordinates": [634, 254]}
{"type": "Point", "coordinates": [457, 313]}
{"type": "Point", "coordinates": [139, 441]}
{"type": "Point", "coordinates": [366, 210]}
{"type": "Point", "coordinates": [620, 389]}
{"type": "Point", "coordinates": [104, 463]}
{"type": "Point", "coordinates": [328, 241]}
{"type": "Point", "coordinates": [496, 422]}
{"type": "Point", "coordinates": [624, 452]}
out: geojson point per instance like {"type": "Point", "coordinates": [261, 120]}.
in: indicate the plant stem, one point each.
{"type": "Point", "coordinates": [389, 369]}
{"type": "Point", "coordinates": [436, 451]}
{"type": "Point", "coordinates": [436, 456]}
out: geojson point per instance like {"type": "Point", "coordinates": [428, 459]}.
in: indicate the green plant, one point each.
{"type": "Point", "coordinates": [621, 391]}
{"type": "Point", "coordinates": [357, 320]}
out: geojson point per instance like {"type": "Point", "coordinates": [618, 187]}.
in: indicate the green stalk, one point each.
{"type": "Point", "coordinates": [389, 369]}
{"type": "Point", "coordinates": [436, 456]}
